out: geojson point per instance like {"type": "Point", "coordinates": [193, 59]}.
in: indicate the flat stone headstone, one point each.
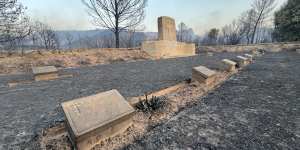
{"type": "Point", "coordinates": [229, 65]}
{"type": "Point", "coordinates": [250, 57]}
{"type": "Point", "coordinates": [95, 118]}
{"type": "Point", "coordinates": [45, 73]}
{"type": "Point", "coordinates": [203, 75]}
{"type": "Point", "coordinates": [298, 51]}
{"type": "Point", "coordinates": [242, 61]}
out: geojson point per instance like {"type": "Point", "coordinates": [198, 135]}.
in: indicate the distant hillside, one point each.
{"type": "Point", "coordinates": [100, 38]}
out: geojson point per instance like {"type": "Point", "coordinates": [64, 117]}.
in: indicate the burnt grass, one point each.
{"type": "Point", "coordinates": [27, 109]}
{"type": "Point", "coordinates": [258, 108]}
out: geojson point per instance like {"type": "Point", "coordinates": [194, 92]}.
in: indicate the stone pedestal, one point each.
{"type": "Point", "coordinates": [228, 65]}
{"type": "Point", "coordinates": [91, 119]}
{"type": "Point", "coordinates": [167, 49]}
{"type": "Point", "coordinates": [204, 75]}
{"type": "Point", "coordinates": [45, 73]}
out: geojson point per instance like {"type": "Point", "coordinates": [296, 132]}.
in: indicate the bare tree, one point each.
{"type": "Point", "coordinates": [262, 9]}
{"type": "Point", "coordinates": [129, 38]}
{"type": "Point", "coordinates": [184, 33]}
{"type": "Point", "coordinates": [233, 33]}
{"type": "Point", "coordinates": [181, 31]}
{"type": "Point", "coordinates": [107, 41]}
{"type": "Point", "coordinates": [13, 23]}
{"type": "Point", "coordinates": [48, 38]}
{"type": "Point", "coordinates": [70, 39]}
{"type": "Point", "coordinates": [213, 35]}
{"type": "Point", "coordinates": [247, 21]}
{"type": "Point", "coordinates": [116, 15]}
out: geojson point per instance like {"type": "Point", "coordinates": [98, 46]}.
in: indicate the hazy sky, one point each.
{"type": "Point", "coordinates": [201, 15]}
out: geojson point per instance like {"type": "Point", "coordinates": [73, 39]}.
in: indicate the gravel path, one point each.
{"type": "Point", "coordinates": [259, 108]}
{"type": "Point", "coordinates": [28, 108]}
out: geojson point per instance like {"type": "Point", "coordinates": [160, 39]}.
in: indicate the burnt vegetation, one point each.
{"type": "Point", "coordinates": [153, 104]}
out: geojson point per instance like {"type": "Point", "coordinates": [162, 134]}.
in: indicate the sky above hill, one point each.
{"type": "Point", "coordinates": [201, 15]}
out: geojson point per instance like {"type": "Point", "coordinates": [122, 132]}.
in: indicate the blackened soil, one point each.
{"type": "Point", "coordinates": [259, 108]}
{"type": "Point", "coordinates": [28, 108]}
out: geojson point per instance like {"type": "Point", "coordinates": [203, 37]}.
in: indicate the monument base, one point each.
{"type": "Point", "coordinates": [167, 49]}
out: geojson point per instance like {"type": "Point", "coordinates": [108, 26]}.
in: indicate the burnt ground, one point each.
{"type": "Point", "coordinates": [28, 108]}
{"type": "Point", "coordinates": [258, 108]}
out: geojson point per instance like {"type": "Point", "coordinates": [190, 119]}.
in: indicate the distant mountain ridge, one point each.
{"type": "Point", "coordinates": [99, 34]}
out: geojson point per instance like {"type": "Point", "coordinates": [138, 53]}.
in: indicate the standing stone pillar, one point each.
{"type": "Point", "coordinates": [166, 29]}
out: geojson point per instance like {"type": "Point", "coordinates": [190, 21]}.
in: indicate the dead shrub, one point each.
{"type": "Point", "coordinates": [56, 62]}
{"type": "Point", "coordinates": [152, 105]}
{"type": "Point", "coordinates": [117, 60]}
{"type": "Point", "coordinates": [84, 62]}
{"type": "Point", "coordinates": [138, 58]}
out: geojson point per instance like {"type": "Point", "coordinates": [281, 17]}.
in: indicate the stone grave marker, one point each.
{"type": "Point", "coordinates": [229, 65]}
{"type": "Point", "coordinates": [250, 57]}
{"type": "Point", "coordinates": [91, 119]}
{"type": "Point", "coordinates": [242, 61]}
{"type": "Point", "coordinates": [45, 73]}
{"type": "Point", "coordinates": [203, 75]}
{"type": "Point", "coordinates": [298, 51]}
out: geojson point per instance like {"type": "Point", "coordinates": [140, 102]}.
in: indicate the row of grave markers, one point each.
{"type": "Point", "coordinates": [95, 118]}
{"type": "Point", "coordinates": [92, 119]}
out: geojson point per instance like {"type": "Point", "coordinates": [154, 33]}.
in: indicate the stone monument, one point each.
{"type": "Point", "coordinates": [167, 45]}
{"type": "Point", "coordinates": [166, 29]}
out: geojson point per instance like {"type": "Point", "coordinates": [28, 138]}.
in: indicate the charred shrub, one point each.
{"type": "Point", "coordinates": [116, 60]}
{"type": "Point", "coordinates": [84, 62]}
{"type": "Point", "coordinates": [153, 104]}
{"type": "Point", "coordinates": [56, 62]}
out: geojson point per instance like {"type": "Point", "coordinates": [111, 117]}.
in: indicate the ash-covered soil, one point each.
{"type": "Point", "coordinates": [28, 108]}
{"type": "Point", "coordinates": [259, 108]}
